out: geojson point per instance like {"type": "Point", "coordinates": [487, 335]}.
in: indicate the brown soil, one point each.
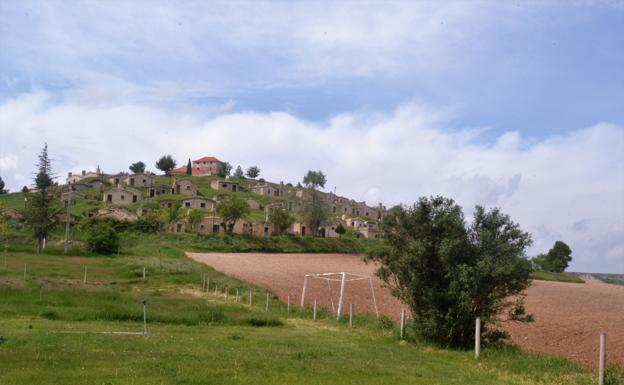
{"type": "Point", "coordinates": [568, 317]}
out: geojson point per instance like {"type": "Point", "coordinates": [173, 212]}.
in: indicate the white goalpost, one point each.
{"type": "Point", "coordinates": [343, 278]}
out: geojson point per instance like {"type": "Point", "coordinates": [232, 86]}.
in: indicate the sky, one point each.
{"type": "Point", "coordinates": [516, 104]}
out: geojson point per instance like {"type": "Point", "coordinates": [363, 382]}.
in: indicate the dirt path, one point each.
{"type": "Point", "coordinates": [568, 317]}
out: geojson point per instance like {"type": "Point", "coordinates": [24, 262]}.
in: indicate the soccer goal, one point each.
{"type": "Point", "coordinates": [343, 278]}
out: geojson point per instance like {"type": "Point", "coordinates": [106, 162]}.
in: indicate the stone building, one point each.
{"type": "Point", "coordinates": [138, 180]}
{"type": "Point", "coordinates": [121, 196]}
{"type": "Point", "coordinates": [268, 189]}
{"type": "Point", "coordinates": [185, 186]}
{"type": "Point", "coordinates": [208, 165]}
{"type": "Point", "coordinates": [224, 185]}
{"type": "Point", "coordinates": [199, 203]}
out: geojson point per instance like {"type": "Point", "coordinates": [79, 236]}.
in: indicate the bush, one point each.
{"type": "Point", "coordinates": [102, 238]}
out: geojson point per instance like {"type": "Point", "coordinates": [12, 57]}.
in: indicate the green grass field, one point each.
{"type": "Point", "coordinates": [542, 275]}
{"type": "Point", "coordinates": [58, 332]}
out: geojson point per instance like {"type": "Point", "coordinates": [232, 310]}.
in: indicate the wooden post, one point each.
{"type": "Point", "coordinates": [216, 290]}
{"type": "Point", "coordinates": [288, 305]}
{"type": "Point", "coordinates": [144, 317]}
{"type": "Point", "coordinates": [84, 280]}
{"type": "Point", "coordinates": [303, 293]}
{"type": "Point", "coordinates": [250, 297]}
{"type": "Point", "coordinates": [267, 302]}
{"type": "Point", "coordinates": [370, 281]}
{"type": "Point", "coordinates": [401, 333]}
{"type": "Point", "coordinates": [478, 337]}
{"type": "Point", "coordinates": [207, 284]}
{"type": "Point", "coordinates": [143, 273]}
{"type": "Point", "coordinates": [159, 259]}
{"type": "Point", "coordinates": [237, 295]}
{"type": "Point", "coordinates": [602, 359]}
{"type": "Point", "coordinates": [24, 271]}
{"type": "Point", "coordinates": [314, 311]}
{"type": "Point", "coordinates": [227, 291]}
{"type": "Point", "coordinates": [342, 287]}
{"type": "Point", "coordinates": [350, 315]}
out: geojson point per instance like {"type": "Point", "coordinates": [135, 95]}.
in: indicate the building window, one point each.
{"type": "Point", "coordinates": [134, 198]}
{"type": "Point", "coordinates": [123, 197]}
{"type": "Point", "coordinates": [187, 204]}
{"type": "Point", "coordinates": [109, 197]}
{"type": "Point", "coordinates": [202, 205]}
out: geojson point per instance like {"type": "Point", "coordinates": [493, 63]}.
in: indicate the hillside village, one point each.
{"type": "Point", "coordinates": [128, 197]}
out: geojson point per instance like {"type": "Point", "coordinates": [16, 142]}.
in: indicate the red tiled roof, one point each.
{"type": "Point", "coordinates": [207, 159]}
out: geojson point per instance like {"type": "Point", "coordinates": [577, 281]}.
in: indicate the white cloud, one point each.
{"type": "Point", "coordinates": [8, 162]}
{"type": "Point", "coordinates": [568, 187]}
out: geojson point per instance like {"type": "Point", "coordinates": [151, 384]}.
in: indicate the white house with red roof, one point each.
{"type": "Point", "coordinates": [208, 165]}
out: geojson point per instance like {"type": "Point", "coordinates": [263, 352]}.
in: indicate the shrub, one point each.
{"type": "Point", "coordinates": [102, 238]}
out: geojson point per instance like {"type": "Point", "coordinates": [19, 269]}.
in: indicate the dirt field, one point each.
{"type": "Point", "coordinates": [568, 317]}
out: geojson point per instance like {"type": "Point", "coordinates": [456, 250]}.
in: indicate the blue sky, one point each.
{"type": "Point", "coordinates": [510, 104]}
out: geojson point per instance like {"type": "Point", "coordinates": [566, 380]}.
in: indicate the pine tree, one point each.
{"type": "Point", "coordinates": [40, 208]}
{"type": "Point", "coordinates": [189, 168]}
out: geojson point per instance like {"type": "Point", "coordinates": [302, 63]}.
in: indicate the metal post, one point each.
{"type": "Point", "coordinates": [342, 286]}
{"type": "Point", "coordinates": [305, 286]}
{"type": "Point", "coordinates": [477, 337]}
{"type": "Point", "coordinates": [314, 311]}
{"type": "Point", "coordinates": [207, 284]}
{"type": "Point", "coordinates": [85, 275]}
{"type": "Point", "coordinates": [351, 315]}
{"type": "Point", "coordinates": [402, 328]}
{"type": "Point", "coordinates": [144, 317]}
{"type": "Point", "coordinates": [236, 294]}
{"type": "Point", "coordinates": [370, 281]}
{"type": "Point", "coordinates": [603, 356]}
{"type": "Point", "coordinates": [250, 297]}
{"type": "Point", "coordinates": [267, 302]}
{"type": "Point", "coordinates": [143, 273]}
{"type": "Point", "coordinates": [288, 305]}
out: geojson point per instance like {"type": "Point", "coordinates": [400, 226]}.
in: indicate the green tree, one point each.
{"type": "Point", "coordinates": [448, 273]}
{"type": "Point", "coordinates": [316, 210]}
{"type": "Point", "coordinates": [189, 168]}
{"type": "Point", "coordinates": [6, 231]}
{"type": "Point", "coordinates": [194, 216]}
{"type": "Point", "coordinates": [102, 238]}
{"type": "Point", "coordinates": [340, 229]}
{"type": "Point", "coordinates": [25, 189]}
{"type": "Point", "coordinates": [166, 163]}
{"type": "Point", "coordinates": [239, 172]}
{"type": "Point", "coordinates": [40, 212]}
{"type": "Point", "coordinates": [2, 189]}
{"type": "Point", "coordinates": [224, 169]}
{"type": "Point", "coordinates": [173, 214]}
{"type": "Point", "coordinates": [231, 210]}
{"type": "Point", "coordinates": [138, 167]}
{"type": "Point", "coordinates": [281, 219]}
{"type": "Point", "coordinates": [314, 179]}
{"type": "Point", "coordinates": [253, 172]}
{"type": "Point", "coordinates": [556, 260]}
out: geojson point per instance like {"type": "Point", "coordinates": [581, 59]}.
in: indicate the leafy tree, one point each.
{"type": "Point", "coordinates": [189, 168]}
{"type": "Point", "coordinates": [102, 238]}
{"type": "Point", "coordinates": [253, 172]}
{"type": "Point", "coordinates": [314, 179]}
{"type": "Point", "coordinates": [173, 214]}
{"type": "Point", "coordinates": [231, 210]}
{"type": "Point", "coordinates": [281, 219]}
{"type": "Point", "coordinates": [224, 169]}
{"type": "Point", "coordinates": [340, 229]}
{"type": "Point", "coordinates": [166, 163]}
{"type": "Point", "coordinates": [239, 172]}
{"type": "Point", "coordinates": [25, 189]}
{"type": "Point", "coordinates": [2, 189]}
{"type": "Point", "coordinates": [40, 211]}
{"type": "Point", "coordinates": [316, 211]}
{"type": "Point", "coordinates": [194, 216]}
{"type": "Point", "coordinates": [556, 260]}
{"type": "Point", "coordinates": [6, 231]}
{"type": "Point", "coordinates": [448, 273]}
{"type": "Point", "coordinates": [138, 167]}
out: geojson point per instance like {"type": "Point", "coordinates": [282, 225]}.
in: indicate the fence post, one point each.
{"type": "Point", "coordinates": [24, 271]}
{"type": "Point", "coordinates": [288, 304]}
{"type": "Point", "coordinates": [602, 360]}
{"type": "Point", "coordinates": [216, 290]}
{"type": "Point", "coordinates": [207, 284]}
{"type": "Point", "coordinates": [402, 328]}
{"type": "Point", "coordinates": [267, 302]}
{"type": "Point", "coordinates": [314, 311]}
{"type": "Point", "coordinates": [478, 337]}
{"type": "Point", "coordinates": [143, 273]}
{"type": "Point", "coordinates": [227, 291]}
{"type": "Point", "coordinates": [250, 297]}
{"type": "Point", "coordinates": [85, 275]}
{"type": "Point", "coordinates": [350, 315]}
{"type": "Point", "coordinates": [237, 295]}
{"type": "Point", "coordinates": [144, 317]}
